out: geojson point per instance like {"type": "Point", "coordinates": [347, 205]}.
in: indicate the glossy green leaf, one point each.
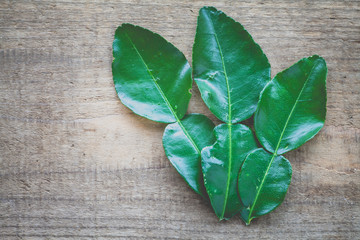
{"type": "Point", "coordinates": [221, 164]}
{"type": "Point", "coordinates": [151, 76]}
{"type": "Point", "coordinates": [230, 69]}
{"type": "Point", "coordinates": [263, 182]}
{"type": "Point", "coordinates": [183, 142]}
{"type": "Point", "coordinates": [292, 107]}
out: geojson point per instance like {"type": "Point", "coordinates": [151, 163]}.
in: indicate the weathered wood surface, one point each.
{"type": "Point", "coordinates": [76, 164]}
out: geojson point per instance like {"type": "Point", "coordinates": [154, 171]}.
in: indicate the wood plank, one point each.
{"type": "Point", "coordinates": [76, 164]}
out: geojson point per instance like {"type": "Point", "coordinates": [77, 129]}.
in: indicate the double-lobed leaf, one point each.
{"type": "Point", "coordinates": [151, 76]}
{"type": "Point", "coordinates": [291, 111]}
{"type": "Point", "coordinates": [230, 69]}
{"type": "Point", "coordinates": [153, 79]}
{"type": "Point", "coordinates": [183, 143]}
{"type": "Point", "coordinates": [221, 163]}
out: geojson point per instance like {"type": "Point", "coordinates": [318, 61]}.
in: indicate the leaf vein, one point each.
{"type": "Point", "coordinates": [229, 123]}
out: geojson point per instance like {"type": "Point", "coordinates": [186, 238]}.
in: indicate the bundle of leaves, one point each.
{"type": "Point", "coordinates": [223, 163]}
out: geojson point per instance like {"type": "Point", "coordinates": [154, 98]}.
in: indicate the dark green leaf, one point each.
{"type": "Point", "coordinates": [221, 163]}
{"type": "Point", "coordinates": [183, 142]}
{"type": "Point", "coordinates": [263, 182]}
{"type": "Point", "coordinates": [292, 107]}
{"type": "Point", "coordinates": [230, 69]}
{"type": "Point", "coordinates": [151, 76]}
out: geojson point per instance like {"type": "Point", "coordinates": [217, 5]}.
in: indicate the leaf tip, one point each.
{"type": "Point", "coordinates": [208, 8]}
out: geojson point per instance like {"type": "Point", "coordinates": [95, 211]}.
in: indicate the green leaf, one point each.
{"type": "Point", "coordinates": [292, 107]}
{"type": "Point", "coordinates": [230, 69]}
{"type": "Point", "coordinates": [151, 76]}
{"type": "Point", "coordinates": [291, 110]}
{"type": "Point", "coordinates": [183, 142]}
{"type": "Point", "coordinates": [263, 182]}
{"type": "Point", "coordinates": [221, 164]}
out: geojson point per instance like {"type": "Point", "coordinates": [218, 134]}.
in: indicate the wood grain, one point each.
{"type": "Point", "coordinates": [76, 164]}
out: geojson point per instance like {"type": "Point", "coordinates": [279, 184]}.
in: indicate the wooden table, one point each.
{"type": "Point", "coordinates": [76, 164]}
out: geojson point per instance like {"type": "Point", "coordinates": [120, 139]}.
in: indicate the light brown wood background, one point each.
{"type": "Point", "coordinates": [76, 164]}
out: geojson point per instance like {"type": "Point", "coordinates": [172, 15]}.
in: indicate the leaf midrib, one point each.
{"type": "Point", "coordinates": [163, 96]}
{"type": "Point", "coordinates": [228, 123]}
{"type": "Point", "coordinates": [279, 141]}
